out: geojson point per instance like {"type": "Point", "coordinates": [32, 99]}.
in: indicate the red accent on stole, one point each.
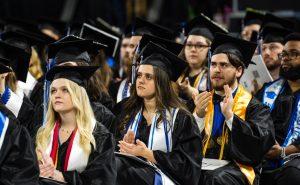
{"type": "Point", "coordinates": [69, 149]}
{"type": "Point", "coordinates": [55, 145]}
{"type": "Point", "coordinates": [53, 153]}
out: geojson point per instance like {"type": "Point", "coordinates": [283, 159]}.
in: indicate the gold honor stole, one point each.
{"type": "Point", "coordinates": [198, 79]}
{"type": "Point", "coordinates": [241, 101]}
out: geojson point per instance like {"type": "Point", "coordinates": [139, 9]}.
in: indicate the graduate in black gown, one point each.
{"type": "Point", "coordinates": [235, 126]}
{"type": "Point", "coordinates": [12, 96]}
{"type": "Point", "coordinates": [18, 162]}
{"type": "Point", "coordinates": [200, 33]}
{"type": "Point", "coordinates": [282, 165]}
{"type": "Point", "coordinates": [155, 126]}
{"type": "Point", "coordinates": [74, 51]}
{"type": "Point", "coordinates": [121, 90]}
{"type": "Point", "coordinates": [72, 146]}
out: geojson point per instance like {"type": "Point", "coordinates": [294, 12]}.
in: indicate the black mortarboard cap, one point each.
{"type": "Point", "coordinates": [92, 33]}
{"type": "Point", "coordinates": [77, 74]}
{"type": "Point", "coordinates": [274, 34]}
{"type": "Point", "coordinates": [204, 26]}
{"type": "Point", "coordinates": [105, 26]}
{"type": "Point", "coordinates": [278, 22]}
{"type": "Point", "coordinates": [28, 27]}
{"type": "Point", "coordinates": [243, 49]}
{"type": "Point", "coordinates": [141, 27]}
{"type": "Point", "coordinates": [173, 47]}
{"type": "Point", "coordinates": [23, 39]}
{"type": "Point", "coordinates": [155, 55]}
{"type": "Point", "coordinates": [253, 17]}
{"type": "Point", "coordinates": [15, 58]}
{"type": "Point", "coordinates": [72, 48]}
{"type": "Point", "coordinates": [295, 36]}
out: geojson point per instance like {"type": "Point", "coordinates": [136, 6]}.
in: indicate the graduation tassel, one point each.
{"type": "Point", "coordinates": [134, 64]}
{"type": "Point", "coordinates": [259, 43]}
{"type": "Point", "coordinates": [50, 64]}
{"type": "Point", "coordinates": [208, 85]}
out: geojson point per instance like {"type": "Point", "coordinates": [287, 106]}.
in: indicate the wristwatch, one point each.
{"type": "Point", "coordinates": [282, 154]}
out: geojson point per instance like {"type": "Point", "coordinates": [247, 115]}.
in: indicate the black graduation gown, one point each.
{"type": "Point", "coordinates": [281, 115]}
{"type": "Point", "coordinates": [183, 164]}
{"type": "Point", "coordinates": [248, 142]}
{"type": "Point", "coordinates": [282, 111]}
{"type": "Point", "coordinates": [101, 167]}
{"type": "Point", "coordinates": [18, 161]}
{"type": "Point", "coordinates": [37, 93]}
{"type": "Point", "coordinates": [113, 89]}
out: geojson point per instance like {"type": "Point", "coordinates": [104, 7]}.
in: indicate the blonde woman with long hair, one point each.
{"type": "Point", "coordinates": [72, 147]}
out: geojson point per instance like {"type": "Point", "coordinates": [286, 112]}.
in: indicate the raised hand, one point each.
{"type": "Point", "coordinates": [201, 102]}
{"type": "Point", "coordinates": [227, 103]}
{"type": "Point", "coordinates": [129, 137]}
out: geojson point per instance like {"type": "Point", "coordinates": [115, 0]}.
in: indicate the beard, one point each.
{"type": "Point", "coordinates": [293, 73]}
{"type": "Point", "coordinates": [220, 86]}
{"type": "Point", "coordinates": [274, 64]}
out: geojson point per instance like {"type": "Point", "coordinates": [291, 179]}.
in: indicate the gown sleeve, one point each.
{"type": "Point", "coordinates": [101, 167]}
{"type": "Point", "coordinates": [183, 164]}
{"type": "Point", "coordinates": [252, 139]}
{"type": "Point", "coordinates": [18, 161]}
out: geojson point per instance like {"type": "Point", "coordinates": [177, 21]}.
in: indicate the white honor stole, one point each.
{"type": "Point", "coordinates": [78, 157]}
{"type": "Point", "coordinates": [272, 91]}
{"type": "Point", "coordinates": [123, 91]}
{"type": "Point", "coordinates": [4, 121]}
{"type": "Point", "coordinates": [160, 137]}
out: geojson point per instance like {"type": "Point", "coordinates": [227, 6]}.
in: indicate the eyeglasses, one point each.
{"type": "Point", "coordinates": [289, 55]}
{"type": "Point", "coordinates": [197, 46]}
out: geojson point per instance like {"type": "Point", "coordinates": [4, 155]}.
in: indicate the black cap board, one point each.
{"type": "Point", "coordinates": [274, 34]}
{"type": "Point", "coordinates": [92, 33]}
{"type": "Point", "coordinates": [253, 17]}
{"type": "Point", "coordinates": [204, 26]}
{"type": "Point", "coordinates": [243, 49]}
{"type": "Point", "coordinates": [155, 55]}
{"type": "Point", "coordinates": [72, 48]}
{"type": "Point", "coordinates": [16, 59]}
{"type": "Point", "coordinates": [173, 47]}
{"type": "Point", "coordinates": [77, 74]}
{"type": "Point", "coordinates": [141, 27]}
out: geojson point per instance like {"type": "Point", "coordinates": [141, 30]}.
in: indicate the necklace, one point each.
{"type": "Point", "coordinates": [66, 130]}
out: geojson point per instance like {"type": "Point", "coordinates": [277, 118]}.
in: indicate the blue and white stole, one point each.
{"type": "Point", "coordinates": [294, 126]}
{"type": "Point", "coordinates": [3, 128]}
{"type": "Point", "coordinates": [160, 138]}
{"type": "Point", "coordinates": [124, 90]}
{"type": "Point", "coordinates": [272, 91]}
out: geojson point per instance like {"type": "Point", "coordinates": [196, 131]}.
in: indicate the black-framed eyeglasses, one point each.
{"type": "Point", "coordinates": [289, 55]}
{"type": "Point", "coordinates": [197, 46]}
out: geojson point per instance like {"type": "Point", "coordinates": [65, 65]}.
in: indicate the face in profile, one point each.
{"type": "Point", "coordinates": [60, 96]}
{"type": "Point", "coordinates": [145, 86]}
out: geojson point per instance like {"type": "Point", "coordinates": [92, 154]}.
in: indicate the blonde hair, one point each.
{"type": "Point", "coordinates": [84, 119]}
{"type": "Point", "coordinates": [35, 64]}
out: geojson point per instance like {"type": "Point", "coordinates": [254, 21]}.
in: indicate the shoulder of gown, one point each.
{"type": "Point", "coordinates": [18, 161]}
{"type": "Point", "coordinates": [101, 167]}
